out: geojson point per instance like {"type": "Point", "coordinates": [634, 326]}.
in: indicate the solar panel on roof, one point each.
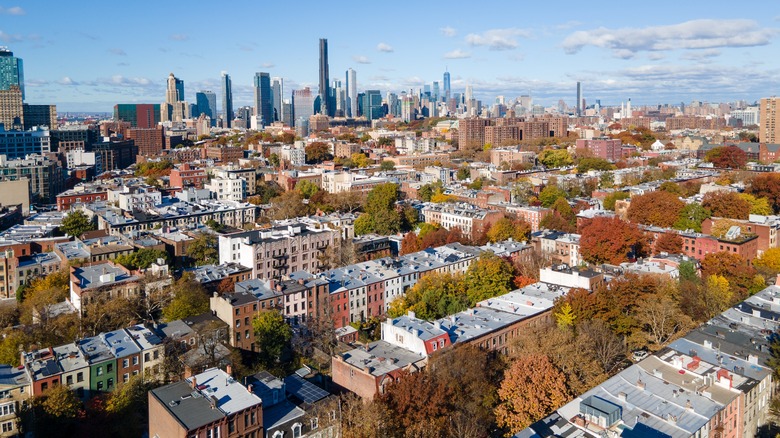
{"type": "Point", "coordinates": [303, 389]}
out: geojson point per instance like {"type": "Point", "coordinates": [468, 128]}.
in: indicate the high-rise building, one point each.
{"type": "Point", "coordinates": [174, 109]}
{"type": "Point", "coordinates": [447, 90]}
{"type": "Point", "coordinates": [339, 98]}
{"type": "Point", "coordinates": [15, 144]}
{"type": "Point", "coordinates": [436, 95]}
{"type": "Point", "coordinates": [324, 89]}
{"type": "Point", "coordinates": [579, 99]}
{"type": "Point", "coordinates": [769, 119]}
{"type": "Point", "coordinates": [12, 108]}
{"type": "Point", "coordinates": [139, 115]}
{"type": "Point", "coordinates": [206, 101]}
{"type": "Point", "coordinates": [11, 71]}
{"type": "Point", "coordinates": [372, 104]}
{"type": "Point", "coordinates": [303, 104]}
{"type": "Point", "coordinates": [227, 100]}
{"type": "Point", "coordinates": [263, 101]}
{"type": "Point", "coordinates": [149, 141]}
{"type": "Point", "coordinates": [277, 91]}
{"type": "Point", "coordinates": [352, 104]}
{"type": "Point", "coordinates": [40, 115]}
{"type": "Point", "coordinates": [287, 112]}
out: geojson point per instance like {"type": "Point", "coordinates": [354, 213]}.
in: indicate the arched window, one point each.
{"type": "Point", "coordinates": [296, 430]}
{"type": "Point", "coordinates": [278, 434]}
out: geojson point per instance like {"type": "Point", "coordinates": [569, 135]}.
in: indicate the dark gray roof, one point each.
{"type": "Point", "coordinates": [304, 390]}
{"type": "Point", "coordinates": [190, 410]}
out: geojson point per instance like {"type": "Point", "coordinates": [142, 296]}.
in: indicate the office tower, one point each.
{"type": "Point", "coordinates": [339, 98]}
{"type": "Point", "coordinates": [393, 106]}
{"type": "Point", "coordinates": [227, 100]}
{"type": "Point", "coordinates": [175, 109]}
{"type": "Point", "coordinates": [207, 104]}
{"type": "Point", "coordinates": [427, 90]}
{"type": "Point", "coordinates": [277, 91]}
{"type": "Point", "coordinates": [287, 112]}
{"type": "Point", "coordinates": [139, 115]}
{"type": "Point", "coordinates": [372, 104]}
{"type": "Point", "coordinates": [15, 144]}
{"type": "Point", "coordinates": [40, 115]}
{"type": "Point", "coordinates": [436, 96]}
{"type": "Point", "coordinates": [769, 120]}
{"type": "Point", "coordinates": [303, 104]}
{"type": "Point", "coordinates": [579, 99]}
{"type": "Point", "coordinates": [447, 89]}
{"type": "Point", "coordinates": [263, 100]}
{"type": "Point", "coordinates": [12, 108]}
{"type": "Point", "coordinates": [352, 93]}
{"type": "Point", "coordinates": [324, 78]}
{"type": "Point", "coordinates": [180, 89]}
{"type": "Point", "coordinates": [11, 71]}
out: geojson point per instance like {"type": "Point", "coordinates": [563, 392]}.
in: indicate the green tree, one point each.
{"type": "Point", "coordinates": [434, 296]}
{"type": "Point", "coordinates": [476, 184]}
{"type": "Point", "coordinates": [203, 250]}
{"type": "Point", "coordinates": [10, 345]}
{"type": "Point", "coordinates": [381, 215]}
{"type": "Point", "coordinates": [274, 160]}
{"type": "Point", "coordinates": [426, 192]}
{"type": "Point", "coordinates": [521, 191]}
{"type": "Point", "coordinates": [189, 299]}
{"type": "Point", "coordinates": [487, 277]}
{"type": "Point", "coordinates": [273, 336]}
{"type": "Point", "coordinates": [505, 228]}
{"type": "Point", "coordinates": [143, 258]}
{"type": "Point", "coordinates": [554, 158]}
{"type": "Point", "coordinates": [76, 223]}
{"type": "Point", "coordinates": [593, 163]}
{"type": "Point", "coordinates": [671, 187]}
{"type": "Point", "coordinates": [360, 160]}
{"type": "Point", "coordinates": [61, 403]}
{"type": "Point", "coordinates": [691, 217]}
{"type": "Point", "coordinates": [464, 173]}
{"type": "Point", "coordinates": [386, 165]}
{"type": "Point", "coordinates": [550, 194]}
{"type": "Point", "coordinates": [688, 271]}
{"type": "Point", "coordinates": [306, 188]}
{"type": "Point", "coordinates": [364, 224]}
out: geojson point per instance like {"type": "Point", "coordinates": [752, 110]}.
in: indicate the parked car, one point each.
{"type": "Point", "coordinates": [639, 355]}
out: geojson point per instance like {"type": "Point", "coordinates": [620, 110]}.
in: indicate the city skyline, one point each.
{"type": "Point", "coordinates": [651, 57]}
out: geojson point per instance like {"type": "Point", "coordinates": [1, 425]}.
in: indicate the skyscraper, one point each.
{"type": "Point", "coordinates": [277, 91]}
{"type": "Point", "coordinates": [227, 99]}
{"type": "Point", "coordinates": [140, 115]}
{"type": "Point", "coordinates": [436, 96]}
{"type": "Point", "coordinates": [174, 109]}
{"type": "Point", "coordinates": [324, 78]}
{"type": "Point", "coordinates": [372, 104]}
{"type": "Point", "coordinates": [769, 120]}
{"type": "Point", "coordinates": [180, 89]}
{"type": "Point", "coordinates": [303, 104]}
{"type": "Point", "coordinates": [579, 99]}
{"type": "Point", "coordinates": [447, 90]}
{"type": "Point", "coordinates": [207, 104]}
{"type": "Point", "coordinates": [11, 71]}
{"type": "Point", "coordinates": [352, 93]}
{"type": "Point", "coordinates": [263, 100]}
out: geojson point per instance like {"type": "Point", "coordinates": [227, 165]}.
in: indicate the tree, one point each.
{"type": "Point", "coordinates": [659, 208]}
{"type": "Point", "coordinates": [274, 160]}
{"type": "Point", "coordinates": [142, 259]}
{"type": "Point", "coordinates": [742, 277]}
{"type": "Point", "coordinates": [381, 215]}
{"type": "Point", "coordinates": [610, 240]}
{"type": "Point", "coordinates": [691, 217]}
{"type": "Point", "coordinates": [439, 198]}
{"type": "Point", "coordinates": [593, 163]}
{"type": "Point", "coordinates": [727, 157]}
{"type": "Point", "coordinates": [476, 184]}
{"type": "Point", "coordinates": [434, 296]}
{"type": "Point", "coordinates": [767, 185]}
{"type": "Point", "coordinates": [272, 335]}
{"type": "Point", "coordinates": [566, 317]}
{"type": "Point", "coordinates": [306, 188]}
{"type": "Point", "coordinates": [671, 187]}
{"type": "Point", "coordinates": [607, 348]}
{"type": "Point", "coordinates": [360, 160]}
{"type": "Point", "coordinates": [338, 254]}
{"type": "Point", "coordinates": [386, 165]}
{"type": "Point", "coordinates": [505, 228]}
{"type": "Point", "coordinates": [189, 299]}
{"type": "Point", "coordinates": [550, 194]}
{"type": "Point", "coordinates": [76, 223]}
{"type": "Point", "coordinates": [555, 158]}
{"type": "Point", "coordinates": [531, 389]}
{"type": "Point", "coordinates": [726, 204]}
{"type": "Point", "coordinates": [363, 419]}
{"type": "Point", "coordinates": [288, 205]}
{"type": "Point", "coordinates": [426, 192]}
{"type": "Point", "coordinates": [609, 200]}
{"type": "Point", "coordinates": [487, 277]}
{"type": "Point", "coordinates": [661, 319]}
{"type": "Point", "coordinates": [464, 173]}
{"type": "Point", "coordinates": [203, 249]}
{"type": "Point", "coordinates": [317, 152]}
{"type": "Point", "coordinates": [562, 217]}
{"type": "Point", "coordinates": [410, 243]}
{"type": "Point", "coordinates": [757, 205]}
{"type": "Point", "coordinates": [522, 191]}
{"type": "Point", "coordinates": [769, 260]}
{"type": "Point", "coordinates": [670, 243]}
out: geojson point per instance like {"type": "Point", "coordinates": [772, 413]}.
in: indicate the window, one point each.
{"type": "Point", "coordinates": [7, 409]}
{"type": "Point", "coordinates": [99, 371]}
{"type": "Point", "coordinates": [296, 430]}
{"type": "Point", "coordinates": [109, 368]}
{"type": "Point", "coordinates": [100, 386]}
{"type": "Point", "coordinates": [79, 377]}
{"type": "Point", "coordinates": [278, 434]}
{"type": "Point", "coordinates": [125, 363]}
{"type": "Point", "coordinates": [314, 423]}
{"type": "Point", "coordinates": [8, 426]}
{"type": "Point", "coordinates": [110, 383]}
{"type": "Point", "coordinates": [126, 377]}
{"type": "Point", "coordinates": [253, 418]}
{"type": "Point", "coordinates": [135, 360]}
{"type": "Point", "coordinates": [69, 380]}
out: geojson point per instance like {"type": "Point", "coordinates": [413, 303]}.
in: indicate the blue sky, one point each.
{"type": "Point", "coordinates": [89, 55]}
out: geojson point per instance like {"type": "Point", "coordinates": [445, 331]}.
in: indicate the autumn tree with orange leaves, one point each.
{"type": "Point", "coordinates": [659, 208]}
{"type": "Point", "coordinates": [611, 240]}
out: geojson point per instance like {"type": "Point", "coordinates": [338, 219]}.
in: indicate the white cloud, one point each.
{"type": "Point", "coordinates": [691, 35]}
{"type": "Point", "coordinates": [701, 55]}
{"type": "Point", "coordinates": [382, 47]}
{"type": "Point", "coordinates": [117, 51]}
{"type": "Point", "coordinates": [448, 31]}
{"type": "Point", "coordinates": [14, 10]}
{"type": "Point", "coordinates": [457, 54]}
{"type": "Point", "coordinates": [361, 59]}
{"type": "Point", "coordinates": [180, 37]}
{"type": "Point", "coordinates": [268, 65]}
{"type": "Point", "coordinates": [8, 38]}
{"type": "Point", "coordinates": [66, 80]}
{"type": "Point", "coordinates": [498, 39]}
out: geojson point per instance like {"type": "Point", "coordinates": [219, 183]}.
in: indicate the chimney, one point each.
{"type": "Point", "coordinates": [194, 383]}
{"type": "Point", "coordinates": [249, 388]}
{"type": "Point", "coordinates": [229, 370]}
{"type": "Point", "coordinates": [640, 384]}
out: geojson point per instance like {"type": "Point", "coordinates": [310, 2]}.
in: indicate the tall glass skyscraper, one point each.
{"type": "Point", "coordinates": [324, 78]}
{"type": "Point", "coordinates": [352, 104]}
{"type": "Point", "coordinates": [263, 100]}
{"type": "Point", "coordinates": [372, 104]}
{"type": "Point", "coordinates": [207, 104]}
{"type": "Point", "coordinates": [227, 99]}
{"type": "Point", "coordinates": [11, 71]}
{"type": "Point", "coordinates": [303, 104]}
{"type": "Point", "coordinates": [277, 91]}
{"type": "Point", "coordinates": [447, 90]}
